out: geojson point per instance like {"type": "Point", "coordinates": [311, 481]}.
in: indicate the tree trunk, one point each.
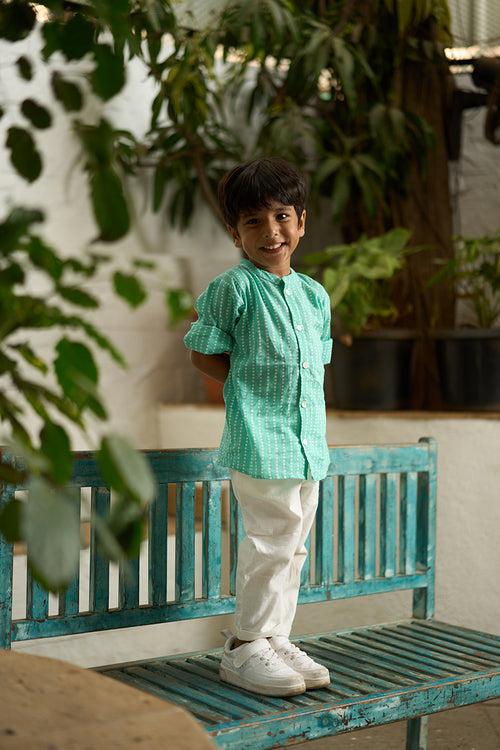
{"type": "Point", "coordinates": [425, 209]}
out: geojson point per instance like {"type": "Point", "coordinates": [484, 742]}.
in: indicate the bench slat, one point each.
{"type": "Point", "coordinates": [424, 653]}
{"type": "Point", "coordinates": [346, 549]}
{"type": "Point", "coordinates": [212, 539]}
{"type": "Point", "coordinates": [487, 641]}
{"type": "Point", "coordinates": [324, 533]}
{"type": "Point", "coordinates": [69, 600]}
{"type": "Point", "coordinates": [408, 522]}
{"type": "Point", "coordinates": [200, 464]}
{"type": "Point", "coordinates": [450, 643]}
{"type": "Point", "coordinates": [378, 647]}
{"type": "Point", "coordinates": [367, 525]}
{"type": "Point", "coordinates": [236, 534]}
{"type": "Point", "coordinates": [305, 573]}
{"type": "Point", "coordinates": [388, 485]}
{"type": "Point", "coordinates": [99, 565]}
{"type": "Point", "coordinates": [37, 599]}
{"type": "Point", "coordinates": [6, 570]}
{"type": "Point", "coordinates": [157, 546]}
{"type": "Point", "coordinates": [184, 541]}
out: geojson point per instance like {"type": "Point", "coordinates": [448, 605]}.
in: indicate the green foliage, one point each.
{"type": "Point", "coordinates": [67, 93]}
{"type": "Point", "coordinates": [315, 83]}
{"type": "Point", "coordinates": [37, 114]}
{"type": "Point", "coordinates": [23, 153]}
{"type": "Point", "coordinates": [475, 272]}
{"type": "Point", "coordinates": [45, 466]}
{"type": "Point", "coordinates": [355, 277]}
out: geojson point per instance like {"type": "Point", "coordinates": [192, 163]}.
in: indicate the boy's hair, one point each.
{"type": "Point", "coordinates": [256, 184]}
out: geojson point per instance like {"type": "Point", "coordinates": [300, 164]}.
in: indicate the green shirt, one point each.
{"type": "Point", "coordinates": [277, 332]}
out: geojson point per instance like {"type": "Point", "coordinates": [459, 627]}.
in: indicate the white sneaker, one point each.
{"type": "Point", "coordinates": [256, 667]}
{"type": "Point", "coordinates": [315, 675]}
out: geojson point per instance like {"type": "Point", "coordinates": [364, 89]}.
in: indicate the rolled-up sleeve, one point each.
{"type": "Point", "coordinates": [219, 308]}
{"type": "Point", "coordinates": [326, 338]}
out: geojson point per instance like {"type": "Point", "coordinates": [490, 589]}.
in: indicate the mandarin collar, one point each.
{"type": "Point", "coordinates": [267, 275]}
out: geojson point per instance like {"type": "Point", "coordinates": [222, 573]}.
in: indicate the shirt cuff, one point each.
{"type": "Point", "coordinates": [208, 339]}
{"type": "Point", "coordinates": [327, 351]}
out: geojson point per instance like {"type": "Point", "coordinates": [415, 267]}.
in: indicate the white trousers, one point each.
{"type": "Point", "coordinates": [277, 515]}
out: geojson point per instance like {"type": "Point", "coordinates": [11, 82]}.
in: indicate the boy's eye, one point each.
{"type": "Point", "coordinates": [282, 216]}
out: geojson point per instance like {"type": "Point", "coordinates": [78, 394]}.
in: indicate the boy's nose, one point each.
{"type": "Point", "coordinates": [271, 230]}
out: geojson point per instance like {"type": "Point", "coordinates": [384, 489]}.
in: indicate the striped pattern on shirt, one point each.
{"type": "Point", "coordinates": [277, 332]}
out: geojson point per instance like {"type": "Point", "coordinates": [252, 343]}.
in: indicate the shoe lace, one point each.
{"type": "Point", "coordinates": [292, 651]}
{"type": "Point", "coordinates": [269, 656]}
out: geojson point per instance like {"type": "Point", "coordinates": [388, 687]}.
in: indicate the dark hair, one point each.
{"type": "Point", "coordinates": [256, 184]}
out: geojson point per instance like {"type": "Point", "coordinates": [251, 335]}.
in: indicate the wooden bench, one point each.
{"type": "Point", "coordinates": [382, 673]}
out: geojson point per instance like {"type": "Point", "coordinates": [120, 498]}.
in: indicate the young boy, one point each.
{"type": "Point", "coordinates": [264, 331]}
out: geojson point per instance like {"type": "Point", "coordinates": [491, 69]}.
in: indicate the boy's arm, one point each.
{"type": "Point", "coordinates": [215, 366]}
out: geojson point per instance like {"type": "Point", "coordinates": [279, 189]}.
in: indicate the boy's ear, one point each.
{"type": "Point", "coordinates": [302, 224]}
{"type": "Point", "coordinates": [234, 234]}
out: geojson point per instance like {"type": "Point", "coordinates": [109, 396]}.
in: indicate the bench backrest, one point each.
{"type": "Point", "coordinates": [374, 532]}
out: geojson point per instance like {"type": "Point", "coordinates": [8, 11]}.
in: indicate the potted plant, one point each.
{"type": "Point", "coordinates": [469, 355]}
{"type": "Point", "coordinates": [372, 364]}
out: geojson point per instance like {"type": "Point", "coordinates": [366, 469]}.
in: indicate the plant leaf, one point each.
{"type": "Point", "coordinates": [129, 288]}
{"type": "Point", "coordinates": [11, 520]}
{"type": "Point", "coordinates": [23, 153]}
{"type": "Point", "coordinates": [67, 93]}
{"type": "Point", "coordinates": [126, 470]}
{"type": "Point", "coordinates": [38, 115]}
{"type": "Point", "coordinates": [52, 531]}
{"type": "Point", "coordinates": [108, 201]}
{"type": "Point", "coordinates": [17, 18]}
{"type": "Point", "coordinates": [108, 77]}
{"type": "Point", "coordinates": [25, 67]}
{"type": "Point", "coordinates": [77, 296]}
{"type": "Point", "coordinates": [55, 444]}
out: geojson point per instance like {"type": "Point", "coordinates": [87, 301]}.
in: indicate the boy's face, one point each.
{"type": "Point", "coordinates": [269, 236]}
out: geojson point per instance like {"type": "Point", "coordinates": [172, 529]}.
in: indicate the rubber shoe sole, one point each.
{"type": "Point", "coordinates": [317, 682]}
{"type": "Point", "coordinates": [236, 679]}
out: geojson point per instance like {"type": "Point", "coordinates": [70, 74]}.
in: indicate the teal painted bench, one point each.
{"type": "Point", "coordinates": [403, 670]}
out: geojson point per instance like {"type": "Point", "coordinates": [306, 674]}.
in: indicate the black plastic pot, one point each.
{"type": "Point", "coordinates": [469, 367]}
{"type": "Point", "coordinates": [374, 373]}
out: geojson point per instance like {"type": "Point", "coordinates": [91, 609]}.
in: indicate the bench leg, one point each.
{"type": "Point", "coordinates": [416, 733]}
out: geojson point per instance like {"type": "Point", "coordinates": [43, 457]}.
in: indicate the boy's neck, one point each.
{"type": "Point", "coordinates": [283, 270]}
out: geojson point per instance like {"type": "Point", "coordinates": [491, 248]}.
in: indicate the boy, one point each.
{"type": "Point", "coordinates": [264, 331]}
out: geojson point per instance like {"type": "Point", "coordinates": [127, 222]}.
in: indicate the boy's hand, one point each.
{"type": "Point", "coordinates": [216, 366]}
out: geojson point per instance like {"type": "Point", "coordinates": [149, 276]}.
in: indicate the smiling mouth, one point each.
{"type": "Point", "coordinates": [273, 248]}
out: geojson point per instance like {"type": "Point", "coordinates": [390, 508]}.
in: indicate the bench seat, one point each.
{"type": "Point", "coordinates": [379, 674]}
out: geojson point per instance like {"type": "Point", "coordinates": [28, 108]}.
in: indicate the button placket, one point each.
{"type": "Point", "coordinates": [304, 363]}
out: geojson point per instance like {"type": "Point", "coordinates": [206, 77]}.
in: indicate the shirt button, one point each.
{"type": "Point", "coordinates": [287, 292]}
{"type": "Point", "coordinates": [299, 327]}
{"type": "Point", "coordinates": [303, 404]}
{"type": "Point", "coordinates": [304, 442]}
{"type": "Point", "coordinates": [305, 365]}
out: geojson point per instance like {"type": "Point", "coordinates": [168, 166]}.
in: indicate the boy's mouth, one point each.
{"type": "Point", "coordinates": [275, 248]}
